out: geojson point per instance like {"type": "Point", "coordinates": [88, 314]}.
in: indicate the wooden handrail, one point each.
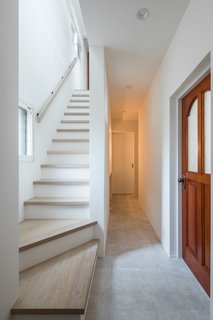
{"type": "Point", "coordinates": [47, 103]}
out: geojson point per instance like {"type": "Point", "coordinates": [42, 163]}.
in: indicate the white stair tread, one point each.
{"type": "Point", "coordinates": [74, 121]}
{"type": "Point", "coordinates": [79, 100]}
{"type": "Point", "coordinates": [72, 130]}
{"type": "Point", "coordinates": [60, 285]}
{"type": "Point", "coordinates": [78, 107]}
{"type": "Point", "coordinates": [81, 95]}
{"type": "Point", "coordinates": [65, 166]}
{"type": "Point", "coordinates": [66, 152]}
{"type": "Point", "coordinates": [35, 232]}
{"type": "Point", "coordinates": [70, 140]}
{"type": "Point", "coordinates": [64, 201]}
{"type": "Point", "coordinates": [76, 113]}
{"type": "Point", "coordinates": [61, 182]}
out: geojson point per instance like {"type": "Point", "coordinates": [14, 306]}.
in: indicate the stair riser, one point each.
{"type": "Point", "coordinates": [45, 251]}
{"type": "Point", "coordinates": [80, 98]}
{"type": "Point", "coordinates": [56, 211]}
{"type": "Point", "coordinates": [74, 126]}
{"type": "Point", "coordinates": [76, 117]}
{"type": "Point", "coordinates": [79, 104]}
{"type": "Point", "coordinates": [58, 173]}
{"type": "Point", "coordinates": [47, 317]}
{"type": "Point", "coordinates": [68, 158]}
{"type": "Point", "coordinates": [71, 146]}
{"type": "Point", "coordinates": [77, 109]}
{"type": "Point", "coordinates": [72, 135]}
{"type": "Point", "coordinates": [81, 92]}
{"type": "Point", "coordinates": [61, 190]}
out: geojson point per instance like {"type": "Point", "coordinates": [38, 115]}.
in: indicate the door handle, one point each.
{"type": "Point", "coordinates": [132, 165]}
{"type": "Point", "coordinates": [183, 181]}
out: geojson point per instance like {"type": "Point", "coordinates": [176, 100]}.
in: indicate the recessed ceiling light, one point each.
{"type": "Point", "coordinates": [143, 14]}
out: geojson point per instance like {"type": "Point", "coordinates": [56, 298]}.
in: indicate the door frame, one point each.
{"type": "Point", "coordinates": [175, 197]}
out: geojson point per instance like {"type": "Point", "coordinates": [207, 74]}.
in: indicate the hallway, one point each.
{"type": "Point", "coordinates": [136, 280]}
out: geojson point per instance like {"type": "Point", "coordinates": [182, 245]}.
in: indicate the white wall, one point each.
{"type": "Point", "coordinates": [46, 50]}
{"type": "Point", "coordinates": [130, 126]}
{"type": "Point", "coordinates": [189, 46]}
{"type": "Point", "coordinates": [99, 144]}
{"type": "Point", "coordinates": [9, 156]}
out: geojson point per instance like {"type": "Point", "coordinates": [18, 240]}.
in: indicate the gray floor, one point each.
{"type": "Point", "coordinates": [136, 280]}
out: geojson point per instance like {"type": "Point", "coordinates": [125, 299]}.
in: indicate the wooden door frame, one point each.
{"type": "Point", "coordinates": [199, 73]}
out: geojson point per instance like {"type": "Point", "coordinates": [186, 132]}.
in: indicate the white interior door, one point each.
{"type": "Point", "coordinates": [123, 163]}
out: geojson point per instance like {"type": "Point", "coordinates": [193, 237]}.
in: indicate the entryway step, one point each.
{"type": "Point", "coordinates": [42, 239]}
{"type": "Point", "coordinates": [59, 286]}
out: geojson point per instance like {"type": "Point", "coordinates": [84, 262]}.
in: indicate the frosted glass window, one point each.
{"type": "Point", "coordinates": [207, 132]}
{"type": "Point", "coordinates": [193, 138]}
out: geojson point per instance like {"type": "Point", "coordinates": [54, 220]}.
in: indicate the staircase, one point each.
{"type": "Point", "coordinates": [57, 245]}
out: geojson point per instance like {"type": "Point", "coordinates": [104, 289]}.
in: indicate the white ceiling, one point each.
{"type": "Point", "coordinates": [134, 48]}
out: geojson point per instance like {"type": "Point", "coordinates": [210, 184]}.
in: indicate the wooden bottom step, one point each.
{"type": "Point", "coordinates": [59, 286]}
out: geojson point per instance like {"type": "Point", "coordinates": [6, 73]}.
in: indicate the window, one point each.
{"type": "Point", "coordinates": [25, 132]}
{"type": "Point", "coordinates": [75, 38]}
{"type": "Point", "coordinates": [193, 138]}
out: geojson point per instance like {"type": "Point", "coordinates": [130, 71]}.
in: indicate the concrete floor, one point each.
{"type": "Point", "coordinates": [136, 280]}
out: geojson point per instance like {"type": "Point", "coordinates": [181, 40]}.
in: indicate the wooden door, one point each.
{"type": "Point", "coordinates": [123, 163]}
{"type": "Point", "coordinates": [196, 169]}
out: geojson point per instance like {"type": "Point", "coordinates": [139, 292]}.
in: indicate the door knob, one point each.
{"type": "Point", "coordinates": [183, 181]}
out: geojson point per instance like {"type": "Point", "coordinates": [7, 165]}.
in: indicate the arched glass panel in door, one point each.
{"type": "Point", "coordinates": [193, 138]}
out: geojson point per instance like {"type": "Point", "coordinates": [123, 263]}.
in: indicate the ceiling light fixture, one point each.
{"type": "Point", "coordinates": [143, 14]}
{"type": "Point", "coordinates": [129, 87]}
